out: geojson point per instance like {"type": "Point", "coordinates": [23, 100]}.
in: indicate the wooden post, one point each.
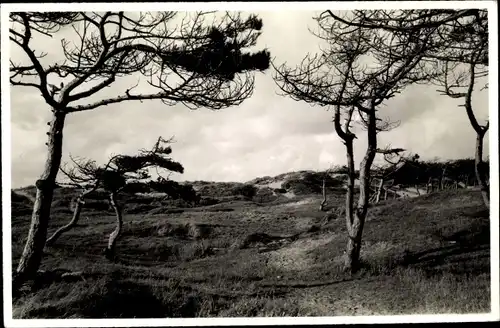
{"type": "Point", "coordinates": [441, 180]}
{"type": "Point", "coordinates": [379, 190]}
{"type": "Point", "coordinates": [323, 202]}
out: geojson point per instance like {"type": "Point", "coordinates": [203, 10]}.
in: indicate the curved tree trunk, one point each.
{"type": "Point", "coordinates": [33, 249]}
{"type": "Point", "coordinates": [113, 237]}
{"type": "Point", "coordinates": [74, 220]}
{"type": "Point", "coordinates": [480, 132]}
{"type": "Point", "coordinates": [480, 170]}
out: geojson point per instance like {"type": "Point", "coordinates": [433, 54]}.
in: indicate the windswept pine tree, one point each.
{"type": "Point", "coordinates": [457, 42]}
{"type": "Point", "coordinates": [339, 78]}
{"type": "Point", "coordinates": [114, 176]}
{"type": "Point", "coordinates": [196, 63]}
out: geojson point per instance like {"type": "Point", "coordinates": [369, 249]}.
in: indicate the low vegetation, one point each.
{"type": "Point", "coordinates": [245, 256]}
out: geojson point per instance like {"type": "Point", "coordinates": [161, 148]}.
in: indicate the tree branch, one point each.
{"type": "Point", "coordinates": [34, 60]}
{"type": "Point", "coordinates": [386, 26]}
{"type": "Point", "coordinates": [159, 95]}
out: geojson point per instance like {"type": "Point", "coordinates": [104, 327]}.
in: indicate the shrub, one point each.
{"type": "Point", "coordinates": [265, 195]}
{"type": "Point", "coordinates": [139, 208]}
{"type": "Point", "coordinates": [206, 201]}
{"type": "Point", "coordinates": [175, 190]}
{"type": "Point", "coordinates": [195, 250]}
{"type": "Point", "coordinates": [312, 182]}
{"type": "Point", "coordinates": [98, 195]}
{"type": "Point", "coordinates": [300, 187]}
{"type": "Point", "coordinates": [98, 205]}
{"type": "Point", "coordinates": [19, 209]}
{"type": "Point", "coordinates": [177, 203]}
{"type": "Point", "coordinates": [140, 200]}
{"type": "Point", "coordinates": [247, 190]}
{"type": "Point", "coordinates": [16, 198]}
{"type": "Point", "coordinates": [136, 187]}
{"type": "Point", "coordinates": [197, 231]}
{"type": "Point", "coordinates": [165, 210]}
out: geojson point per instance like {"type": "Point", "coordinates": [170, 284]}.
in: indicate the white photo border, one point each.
{"type": "Point", "coordinates": [250, 6]}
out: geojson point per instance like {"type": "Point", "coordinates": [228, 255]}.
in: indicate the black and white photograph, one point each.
{"type": "Point", "coordinates": [277, 163]}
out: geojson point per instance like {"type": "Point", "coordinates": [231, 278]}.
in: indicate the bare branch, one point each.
{"type": "Point", "coordinates": [208, 58]}
{"type": "Point", "coordinates": [360, 69]}
{"type": "Point", "coordinates": [390, 151]}
{"type": "Point", "coordinates": [24, 44]}
{"type": "Point", "coordinates": [385, 23]}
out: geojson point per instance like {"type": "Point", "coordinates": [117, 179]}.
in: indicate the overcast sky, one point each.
{"type": "Point", "coordinates": [267, 135]}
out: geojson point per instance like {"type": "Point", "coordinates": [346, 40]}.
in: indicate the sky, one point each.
{"type": "Point", "coordinates": [266, 135]}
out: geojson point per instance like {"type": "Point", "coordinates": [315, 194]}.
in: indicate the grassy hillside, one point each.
{"type": "Point", "coordinates": [256, 257]}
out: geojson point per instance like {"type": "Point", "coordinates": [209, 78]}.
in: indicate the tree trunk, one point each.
{"type": "Point", "coordinates": [418, 191]}
{"type": "Point", "coordinates": [480, 170]}
{"type": "Point", "coordinates": [353, 249]}
{"type": "Point", "coordinates": [74, 220]}
{"type": "Point", "coordinates": [33, 250]}
{"type": "Point", "coordinates": [351, 256]}
{"type": "Point", "coordinates": [113, 237]}
{"type": "Point", "coordinates": [323, 202]}
{"type": "Point", "coordinates": [349, 201]}
{"type": "Point", "coordinates": [356, 222]}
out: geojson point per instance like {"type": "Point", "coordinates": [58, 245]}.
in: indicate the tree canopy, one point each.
{"type": "Point", "coordinates": [195, 63]}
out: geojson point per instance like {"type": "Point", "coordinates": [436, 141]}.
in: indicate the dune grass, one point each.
{"type": "Point", "coordinates": [428, 254]}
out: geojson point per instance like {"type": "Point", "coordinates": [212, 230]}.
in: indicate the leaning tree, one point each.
{"type": "Point", "coordinates": [113, 177]}
{"type": "Point", "coordinates": [187, 61]}
{"type": "Point", "coordinates": [459, 43]}
{"type": "Point", "coordinates": [355, 79]}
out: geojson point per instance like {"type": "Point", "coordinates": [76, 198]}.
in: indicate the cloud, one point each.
{"type": "Point", "coordinates": [266, 135]}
